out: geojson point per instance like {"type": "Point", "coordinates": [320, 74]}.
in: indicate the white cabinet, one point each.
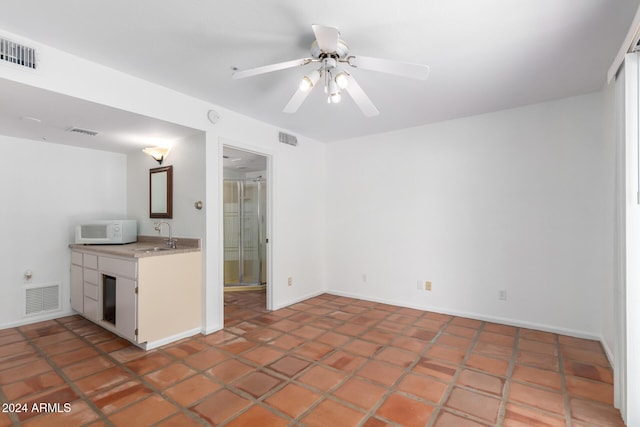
{"type": "Point", "coordinates": [90, 286]}
{"type": "Point", "coordinates": [119, 298]}
{"type": "Point", "coordinates": [84, 284]}
{"type": "Point", "coordinates": [155, 299]}
{"type": "Point", "coordinates": [126, 308]}
{"type": "Point", "coordinates": [88, 272]}
{"type": "Point", "coordinates": [77, 293]}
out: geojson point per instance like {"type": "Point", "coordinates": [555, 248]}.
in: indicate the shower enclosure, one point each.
{"type": "Point", "coordinates": [244, 232]}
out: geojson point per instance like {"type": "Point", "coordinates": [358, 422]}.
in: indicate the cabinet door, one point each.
{"type": "Point", "coordinates": [91, 309]}
{"type": "Point", "coordinates": [126, 308]}
{"type": "Point", "coordinates": [77, 293]}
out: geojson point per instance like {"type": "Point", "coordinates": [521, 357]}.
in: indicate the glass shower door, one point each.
{"type": "Point", "coordinates": [231, 199]}
{"type": "Point", "coordinates": [250, 218]}
{"type": "Point", "coordinates": [244, 238]}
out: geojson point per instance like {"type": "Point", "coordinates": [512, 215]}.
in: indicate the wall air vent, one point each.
{"type": "Point", "coordinates": [288, 139]}
{"type": "Point", "coordinates": [18, 54]}
{"type": "Point", "coordinates": [82, 131]}
{"type": "Point", "coordinates": [39, 299]}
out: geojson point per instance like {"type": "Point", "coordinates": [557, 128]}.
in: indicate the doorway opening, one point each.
{"type": "Point", "coordinates": [244, 220]}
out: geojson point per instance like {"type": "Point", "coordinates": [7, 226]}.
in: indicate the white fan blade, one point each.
{"type": "Point", "coordinates": [296, 101]}
{"type": "Point", "coordinates": [269, 68]}
{"type": "Point", "coordinates": [327, 38]}
{"type": "Point", "coordinates": [361, 99]}
{"type": "Point", "coordinates": [404, 69]}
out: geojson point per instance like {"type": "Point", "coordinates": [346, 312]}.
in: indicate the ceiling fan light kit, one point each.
{"type": "Point", "coordinates": [309, 81]}
{"type": "Point", "coordinates": [342, 79]}
{"type": "Point", "coordinates": [330, 51]}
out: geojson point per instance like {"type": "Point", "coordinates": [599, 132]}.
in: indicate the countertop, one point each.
{"type": "Point", "coordinates": [135, 250]}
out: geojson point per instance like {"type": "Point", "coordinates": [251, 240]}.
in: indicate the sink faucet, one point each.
{"type": "Point", "coordinates": [171, 242]}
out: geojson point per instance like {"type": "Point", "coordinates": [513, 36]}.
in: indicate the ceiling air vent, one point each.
{"type": "Point", "coordinates": [288, 139]}
{"type": "Point", "coordinates": [82, 131]}
{"type": "Point", "coordinates": [17, 54]}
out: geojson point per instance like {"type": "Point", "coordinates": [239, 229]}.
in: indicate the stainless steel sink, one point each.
{"type": "Point", "coordinates": [152, 249]}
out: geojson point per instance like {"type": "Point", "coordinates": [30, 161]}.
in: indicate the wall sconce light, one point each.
{"type": "Point", "coordinates": [158, 153]}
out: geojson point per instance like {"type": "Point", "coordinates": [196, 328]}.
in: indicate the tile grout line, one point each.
{"type": "Point", "coordinates": [401, 336]}
{"type": "Point", "coordinates": [288, 379]}
{"type": "Point", "coordinates": [563, 383]}
{"type": "Point", "coordinates": [393, 388]}
{"type": "Point", "coordinates": [258, 367]}
{"type": "Point", "coordinates": [72, 384]}
{"type": "Point", "coordinates": [255, 365]}
{"type": "Point", "coordinates": [329, 393]}
{"type": "Point", "coordinates": [445, 395]}
{"type": "Point", "coordinates": [507, 383]}
{"type": "Point", "coordinates": [134, 376]}
{"type": "Point", "coordinates": [407, 370]}
{"type": "Point", "coordinates": [452, 382]}
{"type": "Point", "coordinates": [182, 408]}
{"type": "Point", "coordinates": [13, 417]}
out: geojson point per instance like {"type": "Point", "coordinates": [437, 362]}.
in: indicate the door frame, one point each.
{"type": "Point", "coordinates": [236, 145]}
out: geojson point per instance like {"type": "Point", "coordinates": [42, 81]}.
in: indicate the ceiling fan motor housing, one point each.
{"type": "Point", "coordinates": [341, 52]}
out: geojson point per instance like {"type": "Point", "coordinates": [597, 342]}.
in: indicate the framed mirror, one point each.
{"type": "Point", "coordinates": [161, 192]}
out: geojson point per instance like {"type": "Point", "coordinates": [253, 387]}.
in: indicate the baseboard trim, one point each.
{"type": "Point", "coordinates": [476, 316]}
{"type": "Point", "coordinates": [297, 300]}
{"type": "Point", "coordinates": [210, 329]}
{"type": "Point", "coordinates": [609, 353]}
{"type": "Point", "coordinates": [168, 340]}
{"type": "Point", "coordinates": [37, 319]}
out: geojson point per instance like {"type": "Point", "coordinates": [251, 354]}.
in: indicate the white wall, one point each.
{"type": "Point", "coordinates": [608, 302]}
{"type": "Point", "coordinates": [514, 200]}
{"type": "Point", "coordinates": [188, 160]}
{"type": "Point", "coordinates": [297, 184]}
{"type": "Point", "coordinates": [629, 335]}
{"type": "Point", "coordinates": [46, 189]}
{"type": "Point", "coordinates": [296, 212]}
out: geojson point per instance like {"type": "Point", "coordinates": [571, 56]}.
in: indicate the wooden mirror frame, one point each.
{"type": "Point", "coordinates": [169, 192]}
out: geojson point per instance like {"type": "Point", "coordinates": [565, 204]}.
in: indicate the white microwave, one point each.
{"type": "Point", "coordinates": [107, 232]}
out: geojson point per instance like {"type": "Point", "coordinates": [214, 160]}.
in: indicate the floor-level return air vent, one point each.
{"type": "Point", "coordinates": [17, 54]}
{"type": "Point", "coordinates": [42, 298]}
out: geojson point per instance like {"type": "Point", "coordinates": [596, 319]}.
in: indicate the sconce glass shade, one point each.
{"type": "Point", "coordinates": [158, 153]}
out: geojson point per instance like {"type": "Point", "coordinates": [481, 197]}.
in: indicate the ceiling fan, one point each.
{"type": "Point", "coordinates": [331, 53]}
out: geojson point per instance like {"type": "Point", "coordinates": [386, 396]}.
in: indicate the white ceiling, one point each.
{"type": "Point", "coordinates": [39, 114]}
{"type": "Point", "coordinates": [484, 55]}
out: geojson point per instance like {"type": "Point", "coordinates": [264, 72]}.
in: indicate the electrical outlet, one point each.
{"type": "Point", "coordinates": [423, 285]}
{"type": "Point", "coordinates": [502, 294]}
{"type": "Point", "coordinates": [290, 281]}
{"type": "Point", "coordinates": [364, 277]}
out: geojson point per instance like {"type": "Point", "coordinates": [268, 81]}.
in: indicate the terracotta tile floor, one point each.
{"type": "Point", "coordinates": [327, 361]}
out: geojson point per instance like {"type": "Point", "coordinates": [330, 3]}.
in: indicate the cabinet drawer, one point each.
{"type": "Point", "coordinates": [90, 291]}
{"type": "Point", "coordinates": [91, 276]}
{"type": "Point", "coordinates": [76, 258]}
{"type": "Point", "coordinates": [90, 309]}
{"type": "Point", "coordinates": [119, 267]}
{"type": "Point", "coordinates": [90, 261]}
